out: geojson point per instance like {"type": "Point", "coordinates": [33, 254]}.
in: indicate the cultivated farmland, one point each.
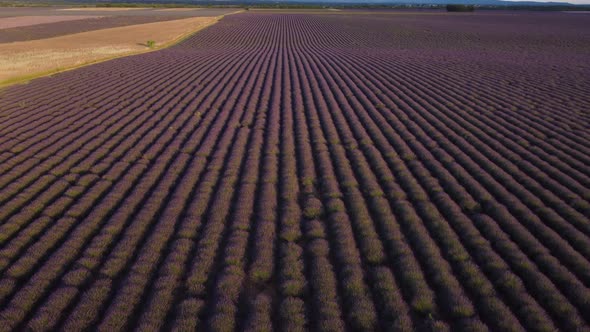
{"type": "Point", "coordinates": [41, 23]}
{"type": "Point", "coordinates": [46, 43]}
{"type": "Point", "coordinates": [322, 171]}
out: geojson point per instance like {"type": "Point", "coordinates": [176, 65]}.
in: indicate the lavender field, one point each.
{"type": "Point", "coordinates": [350, 170]}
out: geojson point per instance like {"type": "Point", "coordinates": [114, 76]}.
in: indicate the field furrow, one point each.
{"type": "Point", "coordinates": [281, 171]}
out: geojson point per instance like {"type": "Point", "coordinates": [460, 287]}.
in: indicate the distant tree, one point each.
{"type": "Point", "coordinates": [460, 8]}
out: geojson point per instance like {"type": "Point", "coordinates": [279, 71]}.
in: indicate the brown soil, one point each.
{"type": "Point", "coordinates": [102, 9]}
{"type": "Point", "coordinates": [23, 21]}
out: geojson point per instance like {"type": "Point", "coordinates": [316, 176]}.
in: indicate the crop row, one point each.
{"type": "Point", "coordinates": [294, 172]}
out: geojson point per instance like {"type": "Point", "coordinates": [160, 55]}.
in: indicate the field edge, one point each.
{"type": "Point", "coordinates": [27, 78]}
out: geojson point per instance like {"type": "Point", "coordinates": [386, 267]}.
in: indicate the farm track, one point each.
{"type": "Point", "coordinates": [292, 172]}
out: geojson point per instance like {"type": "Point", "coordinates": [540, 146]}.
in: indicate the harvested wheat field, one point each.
{"type": "Point", "coordinates": [20, 60]}
{"type": "Point", "coordinates": [291, 172]}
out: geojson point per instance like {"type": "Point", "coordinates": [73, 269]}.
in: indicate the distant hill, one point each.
{"type": "Point", "coordinates": [362, 3]}
{"type": "Point", "coordinates": [438, 2]}
{"type": "Point", "coordinates": [441, 2]}
{"type": "Point", "coordinates": [482, 4]}
{"type": "Point", "coordinates": [434, 2]}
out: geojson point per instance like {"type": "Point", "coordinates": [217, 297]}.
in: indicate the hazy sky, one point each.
{"type": "Point", "coordinates": [578, 2]}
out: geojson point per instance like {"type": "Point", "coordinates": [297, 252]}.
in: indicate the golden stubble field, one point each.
{"type": "Point", "coordinates": [21, 61]}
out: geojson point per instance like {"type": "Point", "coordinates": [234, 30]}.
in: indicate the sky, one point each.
{"type": "Point", "coordinates": [577, 2]}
